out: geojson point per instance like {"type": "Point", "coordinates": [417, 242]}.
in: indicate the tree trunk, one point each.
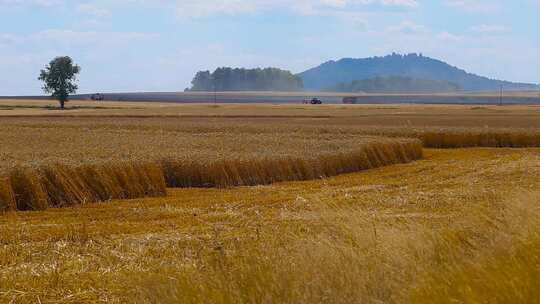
{"type": "Point", "coordinates": [62, 104]}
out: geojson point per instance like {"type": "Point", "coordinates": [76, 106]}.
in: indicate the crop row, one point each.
{"type": "Point", "coordinates": [58, 185]}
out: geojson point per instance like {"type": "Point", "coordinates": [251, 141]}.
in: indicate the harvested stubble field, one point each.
{"type": "Point", "coordinates": [458, 226]}
{"type": "Point", "coordinates": [439, 126]}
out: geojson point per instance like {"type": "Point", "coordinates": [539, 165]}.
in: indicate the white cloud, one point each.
{"type": "Point", "coordinates": [88, 37]}
{"type": "Point", "coordinates": [190, 9]}
{"type": "Point", "coordinates": [193, 9]}
{"type": "Point", "coordinates": [93, 10]}
{"type": "Point", "coordinates": [407, 27]}
{"type": "Point", "coordinates": [474, 6]}
{"type": "Point", "coordinates": [20, 60]}
{"type": "Point", "coordinates": [30, 2]}
{"type": "Point", "coordinates": [449, 37]}
{"type": "Point", "coordinates": [490, 29]}
{"type": "Point", "coordinates": [8, 39]}
{"type": "Point", "coordinates": [409, 3]}
{"type": "Point", "coordinates": [59, 38]}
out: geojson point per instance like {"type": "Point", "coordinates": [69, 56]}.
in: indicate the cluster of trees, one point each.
{"type": "Point", "coordinates": [229, 79]}
{"type": "Point", "coordinates": [396, 84]}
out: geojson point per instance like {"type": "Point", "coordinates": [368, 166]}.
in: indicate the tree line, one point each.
{"type": "Point", "coordinates": [396, 84]}
{"type": "Point", "coordinates": [240, 79]}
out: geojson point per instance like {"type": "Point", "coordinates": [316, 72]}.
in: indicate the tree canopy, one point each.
{"type": "Point", "coordinates": [229, 79]}
{"type": "Point", "coordinates": [59, 78]}
{"type": "Point", "coordinates": [396, 84]}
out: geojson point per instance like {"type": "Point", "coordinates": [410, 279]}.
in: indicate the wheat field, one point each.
{"type": "Point", "coordinates": [93, 160]}
{"type": "Point", "coordinates": [269, 204]}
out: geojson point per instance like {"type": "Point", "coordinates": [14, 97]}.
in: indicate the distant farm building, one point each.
{"type": "Point", "coordinates": [350, 100]}
{"type": "Point", "coordinates": [97, 97]}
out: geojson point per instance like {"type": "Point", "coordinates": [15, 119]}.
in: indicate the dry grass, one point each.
{"type": "Point", "coordinates": [407, 233]}
{"type": "Point", "coordinates": [359, 258]}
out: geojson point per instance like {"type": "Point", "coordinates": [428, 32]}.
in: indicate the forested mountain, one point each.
{"type": "Point", "coordinates": [229, 79]}
{"type": "Point", "coordinates": [395, 84]}
{"type": "Point", "coordinates": [346, 70]}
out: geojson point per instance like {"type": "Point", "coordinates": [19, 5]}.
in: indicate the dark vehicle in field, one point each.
{"type": "Point", "coordinates": [313, 101]}
{"type": "Point", "coordinates": [350, 100]}
{"type": "Point", "coordinates": [97, 97]}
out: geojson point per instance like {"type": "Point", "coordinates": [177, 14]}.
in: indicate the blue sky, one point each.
{"type": "Point", "coordinates": [145, 45]}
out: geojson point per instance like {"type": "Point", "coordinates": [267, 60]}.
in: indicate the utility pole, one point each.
{"type": "Point", "coordinates": [215, 90]}
{"type": "Point", "coordinates": [501, 97]}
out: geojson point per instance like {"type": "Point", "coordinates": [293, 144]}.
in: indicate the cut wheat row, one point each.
{"type": "Point", "coordinates": [267, 171]}
{"type": "Point", "coordinates": [60, 185]}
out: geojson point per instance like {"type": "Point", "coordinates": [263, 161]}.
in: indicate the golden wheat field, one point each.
{"type": "Point", "coordinates": [58, 162]}
{"type": "Point", "coordinates": [161, 203]}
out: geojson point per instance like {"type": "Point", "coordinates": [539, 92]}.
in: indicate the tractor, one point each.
{"type": "Point", "coordinates": [313, 101]}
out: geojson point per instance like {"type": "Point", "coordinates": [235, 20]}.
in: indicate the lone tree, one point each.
{"type": "Point", "coordinates": [60, 78]}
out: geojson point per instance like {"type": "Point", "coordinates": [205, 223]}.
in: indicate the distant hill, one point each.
{"type": "Point", "coordinates": [346, 70]}
{"type": "Point", "coordinates": [229, 79]}
{"type": "Point", "coordinates": [395, 84]}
